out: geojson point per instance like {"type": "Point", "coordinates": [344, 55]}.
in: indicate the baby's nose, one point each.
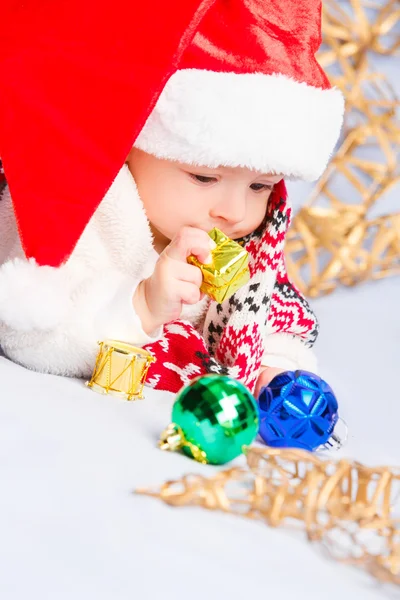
{"type": "Point", "coordinates": [231, 209]}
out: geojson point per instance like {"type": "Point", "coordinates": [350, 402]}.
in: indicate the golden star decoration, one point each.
{"type": "Point", "coordinates": [349, 508]}
{"type": "Point", "coordinates": [335, 239]}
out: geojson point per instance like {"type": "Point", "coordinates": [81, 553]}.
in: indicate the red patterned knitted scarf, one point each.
{"type": "Point", "coordinates": [230, 339]}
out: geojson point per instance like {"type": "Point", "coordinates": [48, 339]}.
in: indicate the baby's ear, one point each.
{"type": "Point", "coordinates": [32, 297]}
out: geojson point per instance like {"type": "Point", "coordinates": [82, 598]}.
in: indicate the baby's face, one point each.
{"type": "Point", "coordinates": [177, 194]}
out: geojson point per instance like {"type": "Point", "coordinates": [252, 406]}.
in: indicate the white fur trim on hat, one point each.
{"type": "Point", "coordinates": [268, 123]}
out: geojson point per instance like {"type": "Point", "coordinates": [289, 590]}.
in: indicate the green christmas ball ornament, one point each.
{"type": "Point", "coordinates": [213, 419]}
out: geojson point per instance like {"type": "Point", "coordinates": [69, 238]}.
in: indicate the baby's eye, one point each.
{"type": "Point", "coordinates": [202, 178]}
{"type": "Point", "coordinates": [257, 187]}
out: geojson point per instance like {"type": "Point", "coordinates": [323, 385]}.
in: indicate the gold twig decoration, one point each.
{"type": "Point", "coordinates": [334, 239]}
{"type": "Point", "coordinates": [346, 506]}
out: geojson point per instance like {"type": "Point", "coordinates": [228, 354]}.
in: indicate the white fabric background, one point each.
{"type": "Point", "coordinates": [70, 527]}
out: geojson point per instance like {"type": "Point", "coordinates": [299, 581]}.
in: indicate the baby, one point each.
{"type": "Point", "coordinates": [213, 153]}
{"type": "Point", "coordinates": [129, 276]}
{"type": "Point", "coordinates": [182, 203]}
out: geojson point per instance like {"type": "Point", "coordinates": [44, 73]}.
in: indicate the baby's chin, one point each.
{"type": "Point", "coordinates": [238, 235]}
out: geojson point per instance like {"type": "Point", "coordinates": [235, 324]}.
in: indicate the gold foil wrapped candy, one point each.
{"type": "Point", "coordinates": [120, 370]}
{"type": "Point", "coordinates": [228, 271]}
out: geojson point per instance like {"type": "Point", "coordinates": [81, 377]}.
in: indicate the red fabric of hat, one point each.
{"type": "Point", "coordinates": [79, 80]}
{"type": "Point", "coordinates": [222, 82]}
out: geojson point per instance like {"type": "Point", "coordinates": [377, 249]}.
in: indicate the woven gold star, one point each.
{"type": "Point", "coordinates": [335, 239]}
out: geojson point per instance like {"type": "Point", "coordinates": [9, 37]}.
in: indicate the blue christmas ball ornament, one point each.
{"type": "Point", "coordinates": [297, 410]}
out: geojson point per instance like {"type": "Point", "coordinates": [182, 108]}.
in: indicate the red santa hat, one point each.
{"type": "Point", "coordinates": [212, 82]}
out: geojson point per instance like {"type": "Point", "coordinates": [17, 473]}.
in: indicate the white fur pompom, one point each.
{"type": "Point", "coordinates": [31, 296]}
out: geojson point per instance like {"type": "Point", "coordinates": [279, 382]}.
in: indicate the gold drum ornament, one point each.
{"type": "Point", "coordinates": [120, 370]}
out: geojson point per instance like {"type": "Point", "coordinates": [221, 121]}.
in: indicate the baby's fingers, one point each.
{"type": "Point", "coordinates": [191, 241]}
{"type": "Point", "coordinates": [188, 292]}
{"type": "Point", "coordinates": [187, 273]}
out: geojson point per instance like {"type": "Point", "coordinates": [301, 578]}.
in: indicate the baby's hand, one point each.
{"type": "Point", "coordinates": [160, 298]}
{"type": "Point", "coordinates": [265, 376]}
